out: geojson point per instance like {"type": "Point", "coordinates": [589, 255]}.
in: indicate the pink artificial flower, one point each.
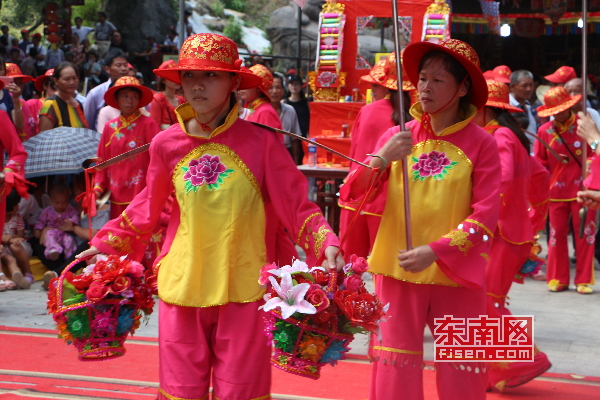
{"type": "Point", "coordinates": [291, 298]}
{"type": "Point", "coordinates": [265, 273]}
{"type": "Point", "coordinates": [359, 264]}
{"type": "Point", "coordinates": [136, 269]}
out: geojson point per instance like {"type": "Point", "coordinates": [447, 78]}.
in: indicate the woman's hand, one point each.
{"type": "Point", "coordinates": [92, 251]}
{"type": "Point", "coordinates": [14, 90]}
{"type": "Point", "coordinates": [589, 198]}
{"type": "Point", "coordinates": [332, 260]}
{"type": "Point", "coordinates": [398, 147]}
{"type": "Point", "coordinates": [417, 259]}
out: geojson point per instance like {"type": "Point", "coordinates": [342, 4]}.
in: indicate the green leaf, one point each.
{"type": "Point", "coordinates": [453, 163]}
{"type": "Point", "coordinates": [229, 171]}
{"type": "Point", "coordinates": [416, 160]}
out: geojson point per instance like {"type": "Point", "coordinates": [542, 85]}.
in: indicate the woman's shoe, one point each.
{"type": "Point", "coordinates": [555, 286]}
{"type": "Point", "coordinates": [584, 289]}
{"type": "Point", "coordinates": [20, 280]}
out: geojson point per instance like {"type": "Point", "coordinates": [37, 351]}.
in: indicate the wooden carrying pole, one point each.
{"type": "Point", "coordinates": [584, 210]}
{"type": "Point", "coordinates": [407, 219]}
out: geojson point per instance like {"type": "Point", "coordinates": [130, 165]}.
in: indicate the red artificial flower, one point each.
{"type": "Point", "coordinates": [317, 297]}
{"type": "Point", "coordinates": [121, 284]}
{"type": "Point", "coordinates": [320, 277]}
{"type": "Point", "coordinates": [81, 282]}
{"type": "Point", "coordinates": [143, 297]}
{"type": "Point", "coordinates": [359, 264]}
{"type": "Point", "coordinates": [96, 292]}
{"type": "Point", "coordinates": [353, 282]}
{"type": "Point", "coordinates": [362, 309]}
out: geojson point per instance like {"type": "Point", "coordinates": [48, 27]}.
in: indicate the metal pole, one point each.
{"type": "Point", "coordinates": [584, 77]}
{"type": "Point", "coordinates": [182, 31]}
{"type": "Point", "coordinates": [298, 41]}
{"type": "Point", "coordinates": [405, 180]}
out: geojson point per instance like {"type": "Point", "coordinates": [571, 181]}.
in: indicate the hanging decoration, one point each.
{"type": "Point", "coordinates": [436, 22]}
{"type": "Point", "coordinates": [554, 9]}
{"type": "Point", "coordinates": [491, 11]}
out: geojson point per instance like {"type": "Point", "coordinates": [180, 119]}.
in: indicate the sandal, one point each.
{"type": "Point", "coordinates": [2, 286]}
{"type": "Point", "coordinates": [20, 280]}
{"type": "Point", "coordinates": [6, 284]}
{"type": "Point", "coordinates": [584, 289]}
{"type": "Point", "coordinates": [29, 277]}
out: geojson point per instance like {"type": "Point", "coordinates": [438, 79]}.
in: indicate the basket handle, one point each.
{"type": "Point", "coordinates": [332, 285]}
{"type": "Point", "coordinates": [62, 277]}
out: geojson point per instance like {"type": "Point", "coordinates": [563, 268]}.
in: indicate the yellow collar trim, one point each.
{"type": "Point", "coordinates": [185, 112]}
{"type": "Point", "coordinates": [417, 112]}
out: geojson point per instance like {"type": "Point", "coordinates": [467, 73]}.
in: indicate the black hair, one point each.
{"type": "Point", "coordinates": [12, 200]}
{"type": "Point", "coordinates": [60, 188]}
{"type": "Point", "coordinates": [3, 41]}
{"type": "Point", "coordinates": [61, 67]}
{"type": "Point", "coordinates": [12, 50]}
{"type": "Point", "coordinates": [139, 92]}
{"type": "Point", "coordinates": [76, 18]}
{"type": "Point", "coordinates": [506, 119]}
{"type": "Point", "coordinates": [112, 54]}
{"type": "Point", "coordinates": [102, 13]}
{"type": "Point", "coordinates": [455, 69]}
{"type": "Point", "coordinates": [281, 77]}
{"type": "Point", "coordinates": [33, 52]}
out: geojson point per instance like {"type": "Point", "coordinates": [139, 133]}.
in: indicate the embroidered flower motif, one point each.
{"type": "Point", "coordinates": [434, 164]}
{"type": "Point", "coordinates": [114, 125]}
{"type": "Point", "coordinates": [132, 144]}
{"type": "Point", "coordinates": [207, 170]}
{"type": "Point", "coordinates": [130, 127]}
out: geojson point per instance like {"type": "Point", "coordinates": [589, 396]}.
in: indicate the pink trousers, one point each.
{"type": "Point", "coordinates": [558, 251]}
{"type": "Point", "coordinates": [60, 242]}
{"type": "Point", "coordinates": [398, 367]}
{"type": "Point", "coordinates": [362, 236]}
{"type": "Point", "coordinates": [505, 261]}
{"type": "Point", "coordinates": [223, 345]}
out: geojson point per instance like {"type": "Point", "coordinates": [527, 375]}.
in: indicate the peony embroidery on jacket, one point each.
{"type": "Point", "coordinates": [433, 164]}
{"type": "Point", "coordinates": [207, 170]}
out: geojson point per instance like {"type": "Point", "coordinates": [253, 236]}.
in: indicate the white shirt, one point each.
{"type": "Point", "coordinates": [82, 32]}
{"type": "Point", "coordinates": [41, 50]}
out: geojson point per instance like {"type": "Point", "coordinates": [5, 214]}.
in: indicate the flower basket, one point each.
{"type": "Point", "coordinates": [96, 310]}
{"type": "Point", "coordinates": [311, 316]}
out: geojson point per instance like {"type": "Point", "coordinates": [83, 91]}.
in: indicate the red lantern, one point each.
{"type": "Point", "coordinates": [51, 17]}
{"type": "Point", "coordinates": [53, 28]}
{"type": "Point", "coordinates": [529, 27]}
{"type": "Point", "coordinates": [53, 38]}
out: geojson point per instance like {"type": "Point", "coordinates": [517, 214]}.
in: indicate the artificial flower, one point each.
{"type": "Point", "coordinates": [317, 297]}
{"type": "Point", "coordinates": [359, 264]}
{"type": "Point", "coordinates": [362, 310]}
{"type": "Point", "coordinates": [312, 347]}
{"type": "Point", "coordinates": [96, 292]}
{"type": "Point", "coordinates": [120, 284]}
{"type": "Point", "coordinates": [335, 352]}
{"type": "Point", "coordinates": [353, 282]}
{"type": "Point", "coordinates": [265, 272]}
{"type": "Point", "coordinates": [291, 298]}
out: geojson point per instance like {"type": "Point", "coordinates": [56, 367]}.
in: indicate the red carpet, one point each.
{"type": "Point", "coordinates": [36, 364]}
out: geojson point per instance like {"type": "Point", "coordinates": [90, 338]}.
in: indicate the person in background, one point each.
{"type": "Point", "coordinates": [80, 31]}
{"type": "Point", "coordinates": [298, 100]}
{"type": "Point", "coordinates": [589, 131]}
{"type": "Point", "coordinates": [561, 76]}
{"type": "Point", "coordinates": [115, 64]}
{"type": "Point", "coordinates": [6, 37]}
{"type": "Point", "coordinates": [54, 56]}
{"type": "Point", "coordinates": [78, 54]}
{"type": "Point", "coordinates": [62, 108]}
{"type": "Point", "coordinates": [14, 56]}
{"type": "Point", "coordinates": [257, 99]}
{"type": "Point", "coordinates": [102, 34]}
{"type": "Point", "coordinates": [24, 40]}
{"type": "Point", "coordinates": [92, 69]}
{"type": "Point", "coordinates": [217, 239]}
{"type": "Point", "coordinates": [524, 187]}
{"type": "Point", "coordinates": [521, 88]}
{"type": "Point", "coordinates": [165, 101]}
{"type": "Point", "coordinates": [56, 243]}
{"type": "Point", "coordinates": [575, 87]}
{"type": "Point", "coordinates": [36, 43]}
{"type": "Point", "coordinates": [454, 209]}
{"type": "Point", "coordinates": [28, 64]}
{"type": "Point", "coordinates": [15, 166]}
{"type": "Point", "coordinates": [372, 121]}
{"type": "Point", "coordinates": [501, 74]}
{"type": "Point", "coordinates": [117, 43]}
{"type": "Point", "coordinates": [566, 180]}
{"type": "Point", "coordinates": [287, 115]}
{"type": "Point", "coordinates": [171, 43]}
{"type": "Point", "coordinates": [24, 116]}
{"type": "Point", "coordinates": [6, 98]}
{"type": "Point", "coordinates": [16, 249]}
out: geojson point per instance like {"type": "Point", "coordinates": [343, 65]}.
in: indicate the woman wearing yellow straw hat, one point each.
{"type": "Point", "coordinates": [224, 172]}
{"type": "Point", "coordinates": [454, 192]}
{"type": "Point", "coordinates": [525, 186]}
{"type": "Point", "coordinates": [371, 122]}
{"type": "Point", "coordinates": [565, 182]}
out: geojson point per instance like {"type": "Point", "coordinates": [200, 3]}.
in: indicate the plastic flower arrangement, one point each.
{"type": "Point", "coordinates": [97, 309]}
{"type": "Point", "coordinates": [312, 315]}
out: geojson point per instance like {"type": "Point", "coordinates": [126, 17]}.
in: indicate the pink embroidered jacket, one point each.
{"type": "Point", "coordinates": [565, 178]}
{"type": "Point", "coordinates": [464, 248]}
{"type": "Point", "coordinates": [525, 182]}
{"type": "Point", "coordinates": [371, 122]}
{"type": "Point", "coordinates": [127, 178]}
{"type": "Point", "coordinates": [257, 162]}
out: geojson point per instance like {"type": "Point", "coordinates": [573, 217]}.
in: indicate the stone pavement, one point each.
{"type": "Point", "coordinates": [567, 324]}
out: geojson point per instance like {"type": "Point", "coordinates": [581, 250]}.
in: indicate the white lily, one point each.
{"type": "Point", "coordinates": [291, 298]}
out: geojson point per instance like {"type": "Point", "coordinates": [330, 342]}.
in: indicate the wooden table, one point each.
{"type": "Point", "coordinates": [328, 181]}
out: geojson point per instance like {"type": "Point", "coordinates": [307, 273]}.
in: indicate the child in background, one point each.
{"type": "Point", "coordinates": [16, 249]}
{"type": "Point", "coordinates": [47, 228]}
